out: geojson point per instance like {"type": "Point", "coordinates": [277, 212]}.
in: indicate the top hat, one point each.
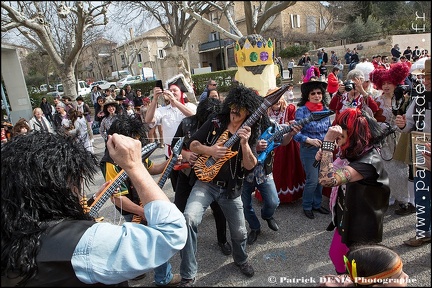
{"type": "Point", "coordinates": [306, 87]}
{"type": "Point", "coordinates": [180, 81]}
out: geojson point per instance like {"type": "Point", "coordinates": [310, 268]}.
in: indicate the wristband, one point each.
{"type": "Point", "coordinates": [328, 146]}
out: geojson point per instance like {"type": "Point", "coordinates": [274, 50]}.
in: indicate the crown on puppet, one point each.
{"type": "Point", "coordinates": [253, 50]}
{"type": "Point", "coordinates": [180, 81]}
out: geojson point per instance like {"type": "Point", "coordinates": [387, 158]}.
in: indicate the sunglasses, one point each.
{"type": "Point", "coordinates": [315, 93]}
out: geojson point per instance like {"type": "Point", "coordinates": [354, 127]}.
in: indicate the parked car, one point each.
{"type": "Point", "coordinates": [103, 84]}
{"type": "Point", "coordinates": [82, 88]}
{"type": "Point", "coordinates": [128, 80]}
{"type": "Point", "coordinates": [45, 88]}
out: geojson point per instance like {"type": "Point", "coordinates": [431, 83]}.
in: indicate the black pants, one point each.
{"type": "Point", "coordinates": [181, 196]}
{"type": "Point", "coordinates": [290, 73]}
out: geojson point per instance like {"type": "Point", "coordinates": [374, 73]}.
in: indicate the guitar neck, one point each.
{"type": "Point", "coordinates": [249, 122]}
{"type": "Point", "coordinates": [289, 128]}
{"type": "Point", "coordinates": [117, 181]}
{"type": "Point", "coordinates": [167, 170]}
{"type": "Point", "coordinates": [172, 161]}
{"type": "Point", "coordinates": [108, 192]}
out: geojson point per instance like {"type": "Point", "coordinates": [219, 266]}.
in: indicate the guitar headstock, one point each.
{"type": "Point", "coordinates": [274, 95]}
{"type": "Point", "coordinates": [321, 114]}
{"type": "Point", "coordinates": [177, 147]}
{"type": "Point", "coordinates": [147, 150]}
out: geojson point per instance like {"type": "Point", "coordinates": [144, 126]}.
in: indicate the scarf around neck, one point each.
{"type": "Point", "coordinates": [313, 107]}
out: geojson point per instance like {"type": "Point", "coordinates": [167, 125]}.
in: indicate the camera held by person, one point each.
{"type": "Point", "coordinates": [349, 85]}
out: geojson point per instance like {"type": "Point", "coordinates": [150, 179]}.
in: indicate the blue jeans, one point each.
{"type": "Point", "coordinates": [422, 182]}
{"type": "Point", "coordinates": [163, 274]}
{"type": "Point", "coordinates": [199, 200]}
{"type": "Point", "coordinates": [270, 200]}
{"type": "Point", "coordinates": [312, 192]}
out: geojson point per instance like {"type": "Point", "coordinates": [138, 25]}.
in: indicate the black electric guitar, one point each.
{"type": "Point", "coordinates": [100, 200]}
{"type": "Point", "coordinates": [270, 137]}
{"type": "Point", "coordinates": [170, 165]}
{"type": "Point", "coordinates": [206, 167]}
{"type": "Point", "coordinates": [175, 152]}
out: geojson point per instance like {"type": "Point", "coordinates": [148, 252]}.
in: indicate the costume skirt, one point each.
{"type": "Point", "coordinates": [288, 173]}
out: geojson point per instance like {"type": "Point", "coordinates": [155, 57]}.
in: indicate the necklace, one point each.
{"type": "Point", "coordinates": [233, 175]}
{"type": "Point", "coordinates": [396, 105]}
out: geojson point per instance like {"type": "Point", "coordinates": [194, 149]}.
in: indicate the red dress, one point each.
{"type": "Point", "coordinates": [288, 172]}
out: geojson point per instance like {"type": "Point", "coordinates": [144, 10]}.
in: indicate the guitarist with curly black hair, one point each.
{"type": "Point", "coordinates": [220, 171]}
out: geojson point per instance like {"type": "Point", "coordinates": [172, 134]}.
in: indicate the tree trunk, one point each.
{"type": "Point", "coordinates": [69, 82]}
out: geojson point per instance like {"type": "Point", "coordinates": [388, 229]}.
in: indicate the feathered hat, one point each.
{"type": "Point", "coordinates": [366, 68]}
{"type": "Point", "coordinates": [395, 75]}
{"type": "Point", "coordinates": [180, 81]}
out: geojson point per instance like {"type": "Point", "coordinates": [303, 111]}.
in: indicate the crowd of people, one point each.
{"type": "Point", "coordinates": [362, 157]}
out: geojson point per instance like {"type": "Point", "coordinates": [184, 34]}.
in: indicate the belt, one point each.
{"type": "Point", "coordinates": [222, 184]}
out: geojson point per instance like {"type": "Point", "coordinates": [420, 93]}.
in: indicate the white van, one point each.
{"type": "Point", "coordinates": [119, 74]}
{"type": "Point", "coordinates": [44, 88]}
{"type": "Point", "coordinates": [82, 89]}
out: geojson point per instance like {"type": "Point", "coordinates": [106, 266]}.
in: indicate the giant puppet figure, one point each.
{"type": "Point", "coordinates": [256, 69]}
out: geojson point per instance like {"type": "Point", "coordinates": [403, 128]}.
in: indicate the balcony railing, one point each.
{"type": "Point", "coordinates": [213, 45]}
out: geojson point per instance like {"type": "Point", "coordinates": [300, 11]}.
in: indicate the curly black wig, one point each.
{"type": "Point", "coordinates": [243, 97]}
{"type": "Point", "coordinates": [41, 175]}
{"type": "Point", "coordinates": [129, 125]}
{"type": "Point", "coordinates": [206, 108]}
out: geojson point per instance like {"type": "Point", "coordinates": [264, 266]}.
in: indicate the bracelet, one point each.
{"type": "Point", "coordinates": [328, 146]}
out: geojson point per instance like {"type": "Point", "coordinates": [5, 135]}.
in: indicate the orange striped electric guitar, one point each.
{"type": "Point", "coordinates": [206, 167]}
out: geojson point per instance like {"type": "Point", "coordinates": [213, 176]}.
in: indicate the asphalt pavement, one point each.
{"type": "Point", "coordinates": [296, 255]}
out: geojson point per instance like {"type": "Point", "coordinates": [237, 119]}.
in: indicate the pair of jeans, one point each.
{"type": "Point", "coordinates": [422, 181]}
{"type": "Point", "coordinates": [312, 192]}
{"type": "Point", "coordinates": [270, 200]}
{"type": "Point", "coordinates": [163, 274]}
{"type": "Point", "coordinates": [182, 193]}
{"type": "Point", "coordinates": [202, 195]}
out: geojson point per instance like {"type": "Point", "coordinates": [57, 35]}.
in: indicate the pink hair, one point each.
{"type": "Point", "coordinates": [395, 75]}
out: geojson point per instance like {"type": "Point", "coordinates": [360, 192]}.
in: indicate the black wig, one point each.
{"type": "Point", "coordinates": [41, 173]}
{"type": "Point", "coordinates": [244, 97]}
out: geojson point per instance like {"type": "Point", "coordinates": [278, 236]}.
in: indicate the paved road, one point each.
{"type": "Point", "coordinates": [296, 255]}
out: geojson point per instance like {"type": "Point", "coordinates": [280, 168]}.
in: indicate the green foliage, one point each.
{"type": "Point", "coordinates": [146, 87]}
{"type": "Point", "coordinates": [35, 80]}
{"type": "Point", "coordinates": [357, 31]}
{"type": "Point", "coordinates": [223, 79]}
{"type": "Point", "coordinates": [294, 51]}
